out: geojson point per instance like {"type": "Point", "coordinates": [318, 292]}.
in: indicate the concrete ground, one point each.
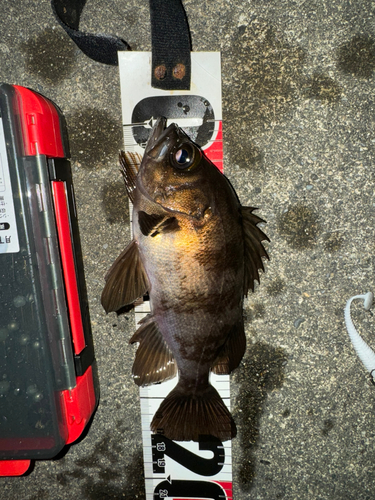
{"type": "Point", "coordinates": [298, 99]}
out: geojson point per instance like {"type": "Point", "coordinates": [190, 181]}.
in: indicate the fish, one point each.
{"type": "Point", "coordinates": [196, 252]}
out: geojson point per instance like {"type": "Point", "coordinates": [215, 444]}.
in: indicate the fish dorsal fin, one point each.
{"type": "Point", "coordinates": [153, 224]}
{"type": "Point", "coordinates": [154, 361]}
{"type": "Point", "coordinates": [254, 249]}
{"type": "Point", "coordinates": [130, 163]}
{"type": "Point", "coordinates": [126, 280]}
{"type": "Point", "coordinates": [232, 351]}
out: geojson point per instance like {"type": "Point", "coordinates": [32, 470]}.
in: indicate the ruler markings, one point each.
{"type": "Point", "coordinates": [163, 471]}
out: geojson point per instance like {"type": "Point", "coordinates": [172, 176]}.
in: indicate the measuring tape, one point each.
{"type": "Point", "coordinates": [188, 469]}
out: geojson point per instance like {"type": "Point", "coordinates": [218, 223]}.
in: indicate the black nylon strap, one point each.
{"type": "Point", "coordinates": [100, 48]}
{"type": "Point", "coordinates": [171, 44]}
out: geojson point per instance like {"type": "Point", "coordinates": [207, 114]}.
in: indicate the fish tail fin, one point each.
{"type": "Point", "coordinates": [184, 416]}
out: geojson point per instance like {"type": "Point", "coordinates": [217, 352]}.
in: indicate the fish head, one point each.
{"type": "Point", "coordinates": [174, 171]}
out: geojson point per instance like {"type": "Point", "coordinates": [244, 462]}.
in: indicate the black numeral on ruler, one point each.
{"type": "Point", "coordinates": [162, 446]}
{"type": "Point", "coordinates": [189, 489]}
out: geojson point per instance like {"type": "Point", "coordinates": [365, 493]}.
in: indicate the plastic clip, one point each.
{"type": "Point", "coordinates": [364, 352]}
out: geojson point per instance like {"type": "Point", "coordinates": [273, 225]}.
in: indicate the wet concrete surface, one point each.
{"type": "Point", "coordinates": [298, 106]}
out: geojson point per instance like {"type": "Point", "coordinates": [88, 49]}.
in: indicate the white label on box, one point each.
{"type": "Point", "coordinates": [8, 227]}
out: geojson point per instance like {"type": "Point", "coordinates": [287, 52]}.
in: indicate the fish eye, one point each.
{"type": "Point", "coordinates": [184, 157]}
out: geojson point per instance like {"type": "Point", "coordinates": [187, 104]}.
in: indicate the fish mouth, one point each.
{"type": "Point", "coordinates": [161, 138]}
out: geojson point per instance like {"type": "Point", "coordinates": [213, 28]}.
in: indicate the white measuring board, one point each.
{"type": "Point", "coordinates": [185, 470]}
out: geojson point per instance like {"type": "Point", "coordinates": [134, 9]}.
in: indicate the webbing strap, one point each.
{"type": "Point", "coordinates": [171, 44]}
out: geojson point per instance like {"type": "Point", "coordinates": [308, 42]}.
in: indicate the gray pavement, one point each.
{"type": "Point", "coordinates": [298, 97]}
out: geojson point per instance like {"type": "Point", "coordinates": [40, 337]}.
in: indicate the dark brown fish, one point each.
{"type": "Point", "coordinates": [197, 252]}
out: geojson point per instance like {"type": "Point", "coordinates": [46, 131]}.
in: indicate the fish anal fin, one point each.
{"type": "Point", "coordinates": [153, 224]}
{"type": "Point", "coordinates": [232, 351]}
{"type": "Point", "coordinates": [126, 280]}
{"type": "Point", "coordinates": [184, 416]}
{"type": "Point", "coordinates": [154, 361]}
{"type": "Point", "coordinates": [254, 249]}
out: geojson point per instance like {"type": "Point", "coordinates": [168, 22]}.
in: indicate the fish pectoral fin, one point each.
{"type": "Point", "coordinates": [254, 249]}
{"type": "Point", "coordinates": [153, 224]}
{"type": "Point", "coordinates": [148, 222]}
{"type": "Point", "coordinates": [154, 361]}
{"type": "Point", "coordinates": [130, 163]}
{"type": "Point", "coordinates": [232, 351]}
{"type": "Point", "coordinates": [126, 280]}
{"type": "Point", "coordinates": [169, 225]}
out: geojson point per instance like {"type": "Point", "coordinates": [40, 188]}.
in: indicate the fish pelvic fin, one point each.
{"type": "Point", "coordinates": [232, 351]}
{"type": "Point", "coordinates": [154, 361]}
{"type": "Point", "coordinates": [184, 416]}
{"type": "Point", "coordinates": [254, 249]}
{"type": "Point", "coordinates": [126, 280]}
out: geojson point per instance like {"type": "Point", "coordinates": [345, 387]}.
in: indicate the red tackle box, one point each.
{"type": "Point", "coordinates": [48, 377]}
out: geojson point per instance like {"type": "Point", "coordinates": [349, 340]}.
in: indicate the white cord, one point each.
{"type": "Point", "coordinates": [364, 352]}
